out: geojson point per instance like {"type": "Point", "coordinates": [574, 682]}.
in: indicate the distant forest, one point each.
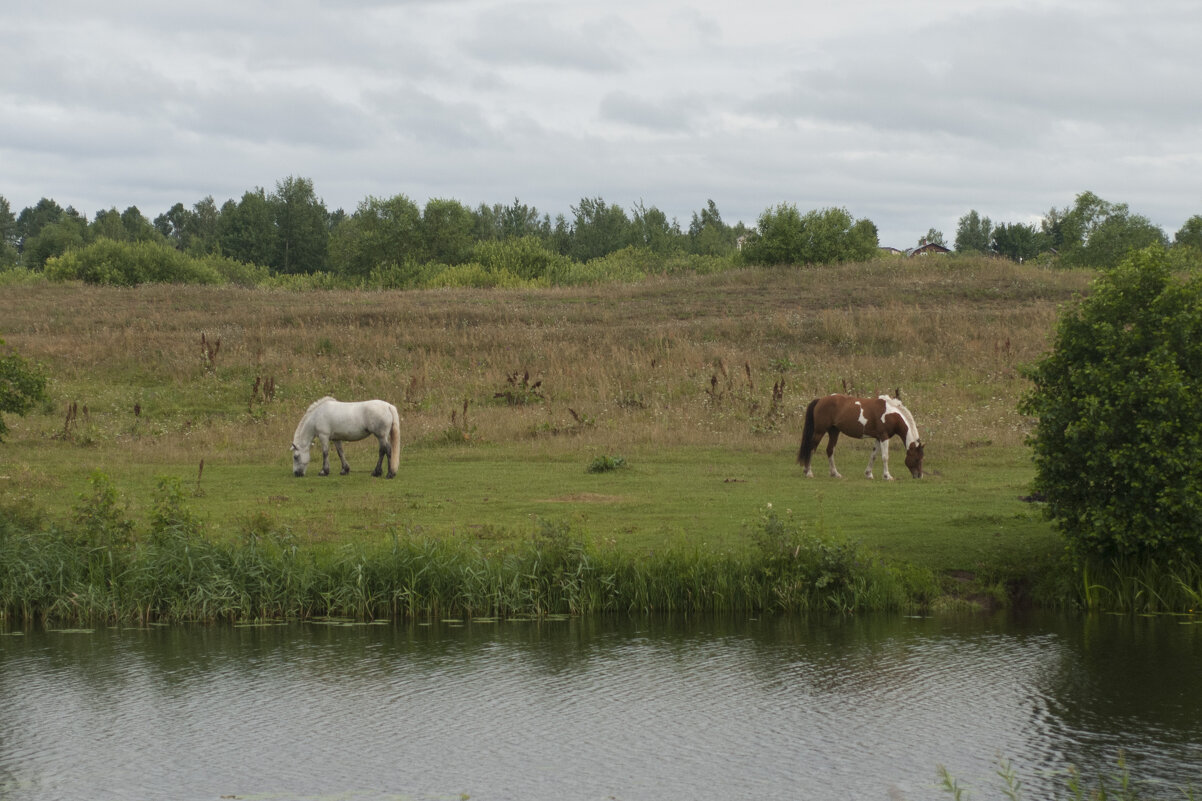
{"type": "Point", "coordinates": [289, 236]}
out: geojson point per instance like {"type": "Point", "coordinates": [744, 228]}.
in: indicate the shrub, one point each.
{"type": "Point", "coordinates": [474, 276]}
{"type": "Point", "coordinates": [628, 265]}
{"type": "Point", "coordinates": [524, 257]}
{"type": "Point", "coordinates": [605, 464]}
{"type": "Point", "coordinates": [22, 385]}
{"type": "Point", "coordinates": [1119, 427]}
{"type": "Point", "coordinates": [113, 263]}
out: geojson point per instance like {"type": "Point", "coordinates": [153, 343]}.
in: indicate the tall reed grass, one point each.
{"type": "Point", "coordinates": [1139, 585]}
{"type": "Point", "coordinates": [94, 571]}
{"type": "Point", "coordinates": [1120, 786]}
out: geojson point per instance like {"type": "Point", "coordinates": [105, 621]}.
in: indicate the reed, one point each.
{"type": "Point", "coordinates": [1144, 585]}
{"type": "Point", "coordinates": [1119, 786]}
{"type": "Point", "coordinates": [93, 573]}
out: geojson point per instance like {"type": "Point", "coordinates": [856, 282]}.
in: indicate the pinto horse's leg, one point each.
{"type": "Point", "coordinates": [831, 440]}
{"type": "Point", "coordinates": [884, 445]}
{"type": "Point", "coordinates": [814, 442]}
{"type": "Point", "coordinates": [876, 447]}
{"type": "Point", "coordinates": [346, 466]}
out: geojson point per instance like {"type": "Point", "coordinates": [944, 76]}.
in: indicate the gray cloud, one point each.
{"type": "Point", "coordinates": [909, 115]}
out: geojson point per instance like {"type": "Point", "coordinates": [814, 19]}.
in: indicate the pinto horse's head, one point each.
{"type": "Point", "coordinates": [300, 460]}
{"type": "Point", "coordinates": [914, 459]}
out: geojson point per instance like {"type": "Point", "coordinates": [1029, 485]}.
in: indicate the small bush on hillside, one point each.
{"type": "Point", "coordinates": [22, 385]}
{"type": "Point", "coordinates": [606, 464]}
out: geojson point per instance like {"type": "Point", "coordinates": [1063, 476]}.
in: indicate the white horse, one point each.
{"type": "Point", "coordinates": [331, 420]}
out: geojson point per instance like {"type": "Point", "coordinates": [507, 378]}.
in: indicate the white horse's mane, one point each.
{"type": "Point", "coordinates": [309, 413]}
{"type": "Point", "coordinates": [317, 403]}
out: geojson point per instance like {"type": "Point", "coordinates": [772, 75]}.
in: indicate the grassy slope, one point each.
{"type": "Point", "coordinates": [675, 375]}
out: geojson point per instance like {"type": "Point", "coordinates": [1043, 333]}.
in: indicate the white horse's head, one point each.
{"type": "Point", "coordinates": [300, 460]}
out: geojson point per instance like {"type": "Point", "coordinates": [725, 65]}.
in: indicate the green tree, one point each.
{"type": "Point", "coordinates": [22, 384]}
{"type": "Point", "coordinates": [380, 232]}
{"type": "Point", "coordinates": [8, 235]}
{"type": "Point", "coordinates": [201, 233]}
{"type": "Point", "coordinates": [826, 236]}
{"type": "Point", "coordinates": [1118, 441]}
{"type": "Point", "coordinates": [67, 233]}
{"type": "Point", "coordinates": [137, 227]}
{"type": "Point", "coordinates": [974, 233]}
{"type": "Point", "coordinates": [448, 231]}
{"type": "Point", "coordinates": [107, 225]}
{"type": "Point", "coordinates": [708, 234]}
{"type": "Point", "coordinates": [1097, 233]}
{"type": "Point", "coordinates": [932, 237]}
{"type": "Point", "coordinates": [1190, 234]}
{"type": "Point", "coordinates": [302, 233]}
{"type": "Point", "coordinates": [34, 218]}
{"type": "Point", "coordinates": [651, 229]}
{"type": "Point", "coordinates": [510, 222]}
{"type": "Point", "coordinates": [1019, 242]}
{"type": "Point", "coordinates": [247, 230]}
{"type": "Point", "coordinates": [598, 229]}
{"type": "Point", "coordinates": [172, 224]}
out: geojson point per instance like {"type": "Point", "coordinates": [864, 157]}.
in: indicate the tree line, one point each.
{"type": "Point", "coordinates": [394, 242]}
{"type": "Point", "coordinates": [1091, 233]}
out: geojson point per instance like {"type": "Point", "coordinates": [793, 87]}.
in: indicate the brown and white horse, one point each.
{"type": "Point", "coordinates": [880, 418]}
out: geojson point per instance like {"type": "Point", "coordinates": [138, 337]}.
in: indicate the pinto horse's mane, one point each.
{"type": "Point", "coordinates": [895, 405]}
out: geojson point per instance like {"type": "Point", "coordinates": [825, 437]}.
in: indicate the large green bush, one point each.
{"type": "Point", "coordinates": [1118, 444]}
{"type": "Point", "coordinates": [113, 263]}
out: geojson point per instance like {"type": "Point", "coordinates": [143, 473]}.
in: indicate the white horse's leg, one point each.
{"type": "Point", "coordinates": [379, 471]}
{"type": "Point", "coordinates": [346, 466]}
{"type": "Point", "coordinates": [885, 459]}
{"type": "Point", "coordinates": [325, 455]}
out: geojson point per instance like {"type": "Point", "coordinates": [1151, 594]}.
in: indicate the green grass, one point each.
{"type": "Point", "coordinates": [968, 519]}
{"type": "Point", "coordinates": [698, 382]}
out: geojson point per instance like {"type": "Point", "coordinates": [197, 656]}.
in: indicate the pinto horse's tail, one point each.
{"type": "Point", "coordinates": [394, 442]}
{"type": "Point", "coordinates": [807, 435]}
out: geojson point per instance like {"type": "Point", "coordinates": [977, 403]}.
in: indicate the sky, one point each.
{"type": "Point", "coordinates": [909, 113]}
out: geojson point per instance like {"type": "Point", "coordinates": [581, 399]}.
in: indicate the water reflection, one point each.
{"type": "Point", "coordinates": [720, 708]}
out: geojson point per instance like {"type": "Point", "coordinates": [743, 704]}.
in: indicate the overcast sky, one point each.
{"type": "Point", "coordinates": [908, 113]}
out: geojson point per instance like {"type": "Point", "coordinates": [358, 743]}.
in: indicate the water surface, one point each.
{"type": "Point", "coordinates": [776, 708]}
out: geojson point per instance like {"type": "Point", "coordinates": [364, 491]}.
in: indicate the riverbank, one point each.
{"type": "Point", "coordinates": [691, 388]}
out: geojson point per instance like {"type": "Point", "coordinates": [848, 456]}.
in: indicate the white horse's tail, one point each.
{"type": "Point", "coordinates": [394, 441]}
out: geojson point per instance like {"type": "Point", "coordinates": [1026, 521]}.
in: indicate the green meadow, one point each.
{"type": "Point", "coordinates": [514, 403]}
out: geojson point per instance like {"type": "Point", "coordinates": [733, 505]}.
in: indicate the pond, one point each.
{"type": "Point", "coordinates": [592, 708]}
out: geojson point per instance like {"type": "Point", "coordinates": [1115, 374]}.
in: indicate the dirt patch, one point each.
{"type": "Point", "coordinates": [584, 497]}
